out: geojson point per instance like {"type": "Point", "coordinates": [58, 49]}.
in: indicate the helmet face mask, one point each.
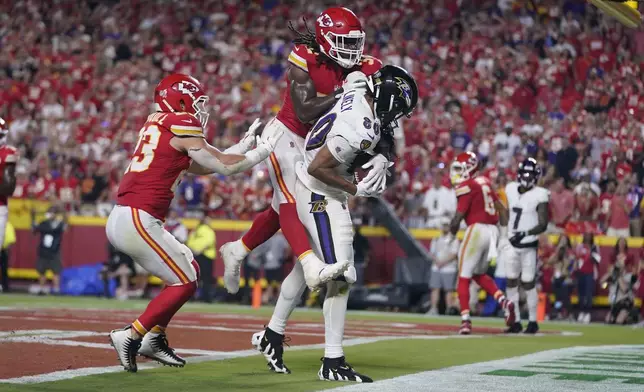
{"type": "Point", "coordinates": [464, 167]}
{"type": "Point", "coordinates": [528, 173]}
{"type": "Point", "coordinates": [340, 36]}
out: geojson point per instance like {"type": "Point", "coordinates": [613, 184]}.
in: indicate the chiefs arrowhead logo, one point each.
{"type": "Point", "coordinates": [325, 21]}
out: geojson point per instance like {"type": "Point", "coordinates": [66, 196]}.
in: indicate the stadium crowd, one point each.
{"type": "Point", "coordinates": [503, 79]}
{"type": "Point", "coordinates": [507, 79]}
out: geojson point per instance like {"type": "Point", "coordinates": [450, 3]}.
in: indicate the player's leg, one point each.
{"type": "Point", "coordinates": [143, 238]}
{"type": "Point", "coordinates": [488, 241]}
{"type": "Point", "coordinates": [513, 271]}
{"type": "Point", "coordinates": [332, 235]}
{"type": "Point", "coordinates": [528, 259]}
{"type": "Point", "coordinates": [468, 255]}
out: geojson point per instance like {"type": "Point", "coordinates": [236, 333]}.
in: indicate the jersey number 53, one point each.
{"type": "Point", "coordinates": [144, 152]}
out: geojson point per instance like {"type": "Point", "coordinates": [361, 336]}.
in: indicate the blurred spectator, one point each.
{"type": "Point", "coordinates": [9, 241]}
{"type": "Point", "coordinates": [620, 283]}
{"type": "Point", "coordinates": [444, 253]}
{"type": "Point", "coordinates": [93, 184]}
{"type": "Point", "coordinates": [176, 227]}
{"type": "Point", "coordinates": [118, 265]}
{"type": "Point", "coordinates": [618, 215]}
{"type": "Point", "coordinates": [507, 144]}
{"type": "Point", "coordinates": [275, 255]}
{"type": "Point", "coordinates": [605, 201]}
{"type": "Point", "coordinates": [635, 197]}
{"type": "Point", "coordinates": [191, 192]}
{"type": "Point", "coordinates": [562, 203]}
{"type": "Point", "coordinates": [439, 202]}
{"type": "Point", "coordinates": [48, 256]}
{"type": "Point", "coordinates": [415, 213]}
{"type": "Point", "coordinates": [203, 243]}
{"type": "Point", "coordinates": [588, 257]}
{"type": "Point", "coordinates": [623, 257]}
{"type": "Point", "coordinates": [562, 262]}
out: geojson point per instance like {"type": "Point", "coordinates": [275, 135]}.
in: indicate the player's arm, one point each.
{"type": "Point", "coordinates": [323, 167]}
{"type": "Point", "coordinates": [542, 226]}
{"type": "Point", "coordinates": [308, 106]}
{"type": "Point", "coordinates": [208, 159]}
{"type": "Point", "coordinates": [8, 184]}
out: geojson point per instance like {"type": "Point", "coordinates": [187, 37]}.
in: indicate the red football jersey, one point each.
{"type": "Point", "coordinates": [476, 199]}
{"type": "Point", "coordinates": [327, 77]}
{"type": "Point", "coordinates": [156, 167]}
{"type": "Point", "coordinates": [8, 154]}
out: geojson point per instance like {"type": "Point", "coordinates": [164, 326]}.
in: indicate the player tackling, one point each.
{"type": "Point", "coordinates": [340, 141]}
{"type": "Point", "coordinates": [528, 206]}
{"type": "Point", "coordinates": [479, 205]}
{"type": "Point", "coordinates": [170, 143]}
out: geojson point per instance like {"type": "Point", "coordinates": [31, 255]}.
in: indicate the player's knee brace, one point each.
{"type": "Point", "coordinates": [528, 285]}
{"type": "Point", "coordinates": [513, 282]}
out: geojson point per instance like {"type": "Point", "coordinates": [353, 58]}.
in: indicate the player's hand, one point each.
{"type": "Point", "coordinates": [515, 240]}
{"type": "Point", "coordinates": [374, 190]}
{"type": "Point", "coordinates": [248, 141]}
{"type": "Point", "coordinates": [377, 167]}
{"type": "Point", "coordinates": [267, 142]}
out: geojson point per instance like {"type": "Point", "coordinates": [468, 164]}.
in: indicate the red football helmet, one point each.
{"type": "Point", "coordinates": [177, 89]}
{"type": "Point", "coordinates": [340, 36]}
{"type": "Point", "coordinates": [464, 167]}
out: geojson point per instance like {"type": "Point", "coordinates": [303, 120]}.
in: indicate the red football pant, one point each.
{"type": "Point", "coordinates": [265, 225]}
{"type": "Point", "coordinates": [294, 230]}
{"type": "Point", "coordinates": [463, 290]}
{"type": "Point", "coordinates": [163, 307]}
{"type": "Point", "coordinates": [489, 285]}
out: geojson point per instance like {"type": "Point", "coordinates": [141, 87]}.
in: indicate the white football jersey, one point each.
{"type": "Point", "coordinates": [523, 209]}
{"type": "Point", "coordinates": [349, 129]}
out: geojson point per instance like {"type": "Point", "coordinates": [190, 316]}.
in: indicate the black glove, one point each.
{"type": "Point", "coordinates": [515, 240]}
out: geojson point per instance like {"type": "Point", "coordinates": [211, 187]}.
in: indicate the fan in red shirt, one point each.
{"type": "Point", "coordinates": [478, 204]}
{"type": "Point", "coordinates": [68, 188]}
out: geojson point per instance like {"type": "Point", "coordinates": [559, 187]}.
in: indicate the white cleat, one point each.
{"type": "Point", "coordinates": [155, 347]}
{"type": "Point", "coordinates": [317, 272]}
{"type": "Point", "coordinates": [126, 347]}
{"type": "Point", "coordinates": [233, 254]}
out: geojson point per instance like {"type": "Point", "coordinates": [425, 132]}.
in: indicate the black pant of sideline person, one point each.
{"type": "Point", "coordinates": [205, 267]}
{"type": "Point", "coordinates": [4, 270]}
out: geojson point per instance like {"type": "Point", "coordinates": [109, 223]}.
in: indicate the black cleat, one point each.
{"type": "Point", "coordinates": [532, 328]}
{"type": "Point", "coordinates": [514, 328]}
{"type": "Point", "coordinates": [271, 344]}
{"type": "Point", "coordinates": [336, 369]}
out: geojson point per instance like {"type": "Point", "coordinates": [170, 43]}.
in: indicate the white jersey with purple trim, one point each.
{"type": "Point", "coordinates": [347, 130]}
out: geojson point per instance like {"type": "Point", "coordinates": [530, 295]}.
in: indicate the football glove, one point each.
{"type": "Point", "coordinates": [247, 142]}
{"type": "Point", "coordinates": [378, 168]}
{"type": "Point", "coordinates": [515, 240]}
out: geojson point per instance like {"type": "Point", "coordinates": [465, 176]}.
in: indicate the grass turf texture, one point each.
{"type": "Point", "coordinates": [379, 360]}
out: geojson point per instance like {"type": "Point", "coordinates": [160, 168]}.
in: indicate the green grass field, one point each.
{"type": "Point", "coordinates": [380, 360]}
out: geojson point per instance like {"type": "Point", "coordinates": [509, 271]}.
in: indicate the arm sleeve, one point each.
{"type": "Point", "coordinates": [298, 56]}
{"type": "Point", "coordinates": [185, 125]}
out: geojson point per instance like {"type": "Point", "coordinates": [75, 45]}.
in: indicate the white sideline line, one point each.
{"type": "Point", "coordinates": [219, 356]}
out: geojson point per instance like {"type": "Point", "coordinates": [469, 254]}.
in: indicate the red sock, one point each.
{"type": "Point", "coordinates": [264, 226]}
{"type": "Point", "coordinates": [164, 306]}
{"type": "Point", "coordinates": [293, 230]}
{"type": "Point", "coordinates": [463, 290]}
{"type": "Point", "coordinates": [488, 285]}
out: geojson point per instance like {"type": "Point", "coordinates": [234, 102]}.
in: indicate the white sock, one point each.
{"type": "Point", "coordinates": [290, 293]}
{"type": "Point", "coordinates": [532, 299]}
{"type": "Point", "coordinates": [513, 295]}
{"type": "Point", "coordinates": [335, 310]}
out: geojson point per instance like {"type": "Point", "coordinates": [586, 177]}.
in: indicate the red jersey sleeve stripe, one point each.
{"type": "Point", "coordinates": [462, 190]}
{"type": "Point", "coordinates": [298, 61]}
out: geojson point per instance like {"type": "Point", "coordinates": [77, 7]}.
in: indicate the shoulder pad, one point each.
{"type": "Point", "coordinates": [462, 189]}
{"type": "Point", "coordinates": [300, 56]}
{"type": "Point", "coordinates": [370, 65]}
{"type": "Point", "coordinates": [182, 125]}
